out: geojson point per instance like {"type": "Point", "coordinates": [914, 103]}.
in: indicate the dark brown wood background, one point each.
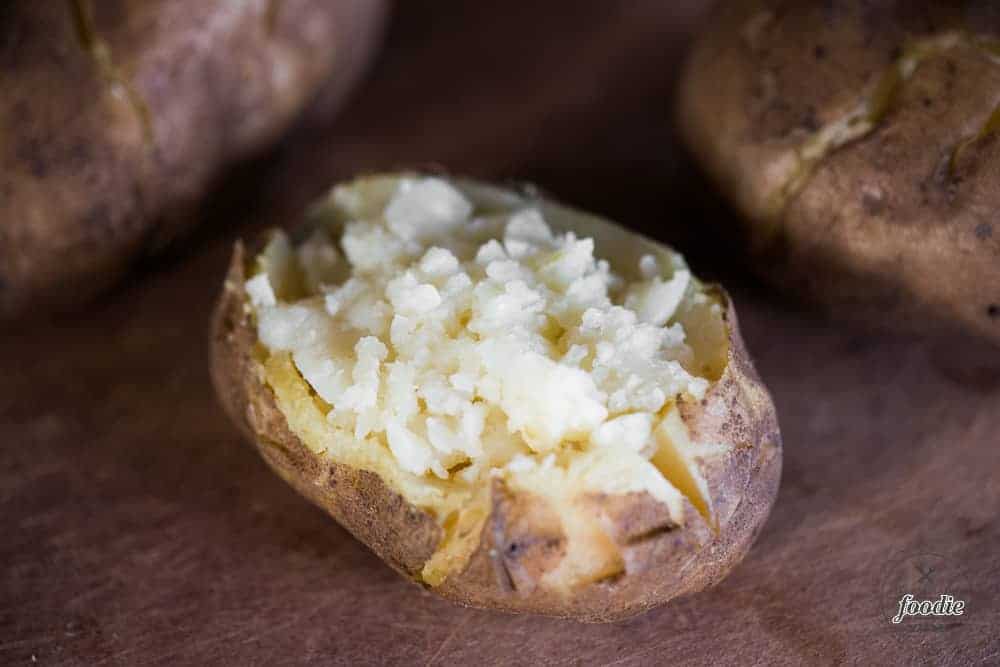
{"type": "Point", "coordinates": [138, 528]}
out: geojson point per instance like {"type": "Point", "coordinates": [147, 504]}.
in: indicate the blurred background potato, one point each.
{"type": "Point", "coordinates": [118, 117]}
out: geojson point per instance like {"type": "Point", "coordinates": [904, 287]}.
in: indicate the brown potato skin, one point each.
{"type": "Point", "coordinates": [884, 230]}
{"type": "Point", "coordinates": [403, 536]}
{"type": "Point", "coordinates": [96, 172]}
{"type": "Point", "coordinates": [522, 538]}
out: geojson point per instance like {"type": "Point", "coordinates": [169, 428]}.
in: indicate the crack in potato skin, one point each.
{"type": "Point", "coordinates": [990, 127]}
{"type": "Point", "coordinates": [100, 53]}
{"type": "Point", "coordinates": [870, 113]}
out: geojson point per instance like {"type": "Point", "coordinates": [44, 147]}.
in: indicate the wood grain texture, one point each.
{"type": "Point", "coordinates": [138, 527]}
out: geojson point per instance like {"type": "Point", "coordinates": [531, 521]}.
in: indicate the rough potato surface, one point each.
{"type": "Point", "coordinates": [859, 140]}
{"type": "Point", "coordinates": [117, 117]}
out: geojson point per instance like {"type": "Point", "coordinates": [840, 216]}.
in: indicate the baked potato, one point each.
{"type": "Point", "coordinates": [117, 117]}
{"type": "Point", "coordinates": [859, 141]}
{"type": "Point", "coordinates": [447, 369]}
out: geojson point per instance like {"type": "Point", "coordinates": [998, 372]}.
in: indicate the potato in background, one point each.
{"type": "Point", "coordinates": [859, 141]}
{"type": "Point", "coordinates": [116, 119]}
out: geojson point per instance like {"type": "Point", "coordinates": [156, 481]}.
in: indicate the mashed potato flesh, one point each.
{"type": "Point", "coordinates": [470, 345]}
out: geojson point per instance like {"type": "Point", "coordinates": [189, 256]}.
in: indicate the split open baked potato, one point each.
{"type": "Point", "coordinates": [453, 372]}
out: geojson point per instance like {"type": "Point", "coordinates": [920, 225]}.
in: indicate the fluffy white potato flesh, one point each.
{"type": "Point", "coordinates": [444, 333]}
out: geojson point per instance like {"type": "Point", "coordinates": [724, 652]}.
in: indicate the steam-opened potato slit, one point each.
{"type": "Point", "coordinates": [864, 118]}
{"type": "Point", "coordinates": [100, 53]}
{"type": "Point", "coordinates": [510, 368]}
{"type": "Point", "coordinates": [855, 124]}
{"type": "Point", "coordinates": [990, 127]}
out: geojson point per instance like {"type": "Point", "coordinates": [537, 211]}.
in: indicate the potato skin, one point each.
{"type": "Point", "coordinates": [662, 560]}
{"type": "Point", "coordinates": [897, 227]}
{"type": "Point", "coordinates": [402, 535]}
{"type": "Point", "coordinates": [522, 539]}
{"type": "Point", "coordinates": [117, 117]}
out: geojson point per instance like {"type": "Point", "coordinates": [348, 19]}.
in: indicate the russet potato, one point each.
{"type": "Point", "coordinates": [506, 540]}
{"type": "Point", "coordinates": [859, 142]}
{"type": "Point", "coordinates": [117, 118]}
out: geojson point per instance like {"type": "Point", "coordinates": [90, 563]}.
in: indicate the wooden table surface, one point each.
{"type": "Point", "coordinates": [137, 528]}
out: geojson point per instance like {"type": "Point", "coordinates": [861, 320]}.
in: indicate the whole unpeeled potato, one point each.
{"type": "Point", "coordinates": [116, 117]}
{"type": "Point", "coordinates": [859, 140]}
